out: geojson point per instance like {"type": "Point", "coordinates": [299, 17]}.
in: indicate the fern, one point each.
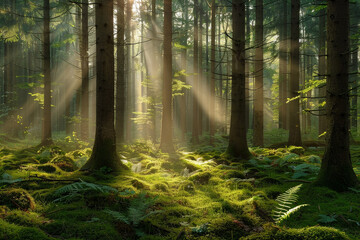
{"type": "Point", "coordinates": [137, 211]}
{"type": "Point", "coordinates": [285, 201]}
{"type": "Point", "coordinates": [73, 191]}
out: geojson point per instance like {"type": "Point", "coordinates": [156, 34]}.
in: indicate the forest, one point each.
{"type": "Point", "coordinates": [179, 120]}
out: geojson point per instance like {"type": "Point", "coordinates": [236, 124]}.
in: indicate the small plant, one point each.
{"type": "Point", "coordinates": [285, 201]}
{"type": "Point", "coordinates": [137, 211]}
{"type": "Point", "coordinates": [76, 190]}
{"type": "Point", "coordinates": [326, 218]}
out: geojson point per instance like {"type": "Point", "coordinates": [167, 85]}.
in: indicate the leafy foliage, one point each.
{"type": "Point", "coordinates": [73, 191]}
{"type": "Point", "coordinates": [285, 201]}
{"type": "Point", "coordinates": [137, 211]}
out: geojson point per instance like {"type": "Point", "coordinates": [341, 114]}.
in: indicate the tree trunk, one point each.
{"type": "Point", "coordinates": [283, 67]}
{"type": "Point", "coordinates": [247, 65]}
{"type": "Point", "coordinates": [212, 124]}
{"type": "Point", "coordinates": [336, 168]}
{"type": "Point", "coordinates": [104, 150]}
{"type": "Point", "coordinates": [128, 71]}
{"type": "Point", "coordinates": [166, 143]}
{"type": "Point", "coordinates": [322, 71]}
{"type": "Point", "coordinates": [120, 75]}
{"type": "Point", "coordinates": [84, 72]}
{"type": "Point", "coordinates": [294, 108]}
{"type": "Point", "coordinates": [195, 89]}
{"type": "Point", "coordinates": [200, 71]}
{"type": "Point", "coordinates": [259, 66]}
{"type": "Point", "coordinates": [238, 147]}
{"type": "Point", "coordinates": [46, 130]}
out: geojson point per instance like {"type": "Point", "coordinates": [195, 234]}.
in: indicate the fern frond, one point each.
{"type": "Point", "coordinates": [73, 190]}
{"type": "Point", "coordinates": [117, 215]}
{"type": "Point", "coordinates": [284, 204]}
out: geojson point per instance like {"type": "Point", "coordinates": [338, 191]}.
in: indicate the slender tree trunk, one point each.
{"type": "Point", "coordinates": [195, 121]}
{"type": "Point", "coordinates": [238, 147]}
{"type": "Point", "coordinates": [247, 65]}
{"type": "Point", "coordinates": [128, 71]}
{"type": "Point", "coordinates": [46, 130]}
{"type": "Point", "coordinates": [200, 79]}
{"type": "Point", "coordinates": [120, 75]}
{"type": "Point", "coordinates": [336, 168]}
{"type": "Point", "coordinates": [84, 72]}
{"type": "Point", "coordinates": [259, 66]}
{"type": "Point", "coordinates": [212, 124]}
{"type": "Point", "coordinates": [183, 67]}
{"type": "Point", "coordinates": [104, 150]}
{"type": "Point", "coordinates": [294, 124]}
{"type": "Point", "coordinates": [166, 143]}
{"type": "Point", "coordinates": [322, 71]}
{"type": "Point", "coordinates": [283, 76]}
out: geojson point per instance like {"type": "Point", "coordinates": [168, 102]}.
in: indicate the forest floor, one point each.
{"type": "Point", "coordinates": [192, 194]}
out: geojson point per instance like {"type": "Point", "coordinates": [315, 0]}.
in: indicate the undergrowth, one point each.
{"type": "Point", "coordinates": [193, 194]}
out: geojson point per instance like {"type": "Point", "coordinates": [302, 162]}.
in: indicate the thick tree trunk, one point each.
{"type": "Point", "coordinates": [166, 143]}
{"type": "Point", "coordinates": [283, 76]}
{"type": "Point", "coordinates": [84, 72]}
{"type": "Point", "coordinates": [195, 88]}
{"type": "Point", "coordinates": [104, 150]}
{"type": "Point", "coordinates": [259, 65]}
{"type": "Point", "coordinates": [238, 147]}
{"type": "Point", "coordinates": [247, 65]}
{"type": "Point", "coordinates": [212, 124]}
{"type": "Point", "coordinates": [336, 168]}
{"type": "Point", "coordinates": [120, 75]}
{"type": "Point", "coordinates": [294, 108]}
{"type": "Point", "coordinates": [46, 130]}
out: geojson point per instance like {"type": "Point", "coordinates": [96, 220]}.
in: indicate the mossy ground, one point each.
{"type": "Point", "coordinates": [196, 194]}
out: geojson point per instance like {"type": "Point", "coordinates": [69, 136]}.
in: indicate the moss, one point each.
{"type": "Point", "coordinates": [226, 227]}
{"type": "Point", "coordinates": [17, 199]}
{"type": "Point", "coordinates": [233, 174]}
{"type": "Point", "coordinates": [201, 178]}
{"type": "Point", "coordinates": [269, 180]}
{"type": "Point", "coordinates": [48, 168]}
{"type": "Point", "coordinates": [14, 232]}
{"type": "Point", "coordinates": [64, 163]}
{"type": "Point", "coordinates": [187, 186]}
{"type": "Point", "coordinates": [309, 233]}
{"type": "Point", "coordinates": [139, 184]}
{"type": "Point", "coordinates": [297, 150]}
{"type": "Point", "coordinates": [161, 186]}
{"type": "Point", "coordinates": [28, 219]}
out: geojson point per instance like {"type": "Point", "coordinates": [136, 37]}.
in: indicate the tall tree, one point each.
{"type": "Point", "coordinates": [294, 108]}
{"type": "Point", "coordinates": [336, 169]}
{"type": "Point", "coordinates": [84, 71]}
{"type": "Point", "coordinates": [46, 129]}
{"type": "Point", "coordinates": [166, 143]}
{"type": "Point", "coordinates": [283, 76]}
{"type": "Point", "coordinates": [259, 66]}
{"type": "Point", "coordinates": [237, 139]}
{"type": "Point", "coordinates": [322, 68]}
{"type": "Point", "coordinates": [104, 150]}
{"type": "Point", "coordinates": [120, 74]}
{"type": "Point", "coordinates": [195, 121]}
{"type": "Point", "coordinates": [212, 125]}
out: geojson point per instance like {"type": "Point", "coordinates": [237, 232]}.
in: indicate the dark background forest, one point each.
{"type": "Point", "coordinates": [176, 119]}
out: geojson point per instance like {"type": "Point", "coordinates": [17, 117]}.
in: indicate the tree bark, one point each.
{"type": "Point", "coordinates": [336, 168]}
{"type": "Point", "coordinates": [195, 89]}
{"type": "Point", "coordinates": [294, 107]}
{"type": "Point", "coordinates": [84, 72]}
{"type": "Point", "coordinates": [46, 130]}
{"type": "Point", "coordinates": [322, 71]}
{"type": "Point", "coordinates": [120, 75]}
{"type": "Point", "coordinates": [212, 124]}
{"type": "Point", "coordinates": [283, 76]}
{"type": "Point", "coordinates": [238, 147]}
{"type": "Point", "coordinates": [259, 65]}
{"type": "Point", "coordinates": [104, 150]}
{"type": "Point", "coordinates": [166, 143]}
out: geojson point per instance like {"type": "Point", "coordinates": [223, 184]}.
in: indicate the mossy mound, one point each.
{"type": "Point", "coordinates": [297, 150]}
{"type": "Point", "coordinates": [187, 186]}
{"type": "Point", "coordinates": [308, 233]}
{"type": "Point", "coordinates": [16, 199]}
{"type": "Point", "coordinates": [139, 184]}
{"type": "Point", "coordinates": [28, 219]}
{"type": "Point", "coordinates": [65, 163]}
{"type": "Point", "coordinates": [201, 178]}
{"type": "Point", "coordinates": [14, 232]}
{"type": "Point", "coordinates": [48, 168]}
